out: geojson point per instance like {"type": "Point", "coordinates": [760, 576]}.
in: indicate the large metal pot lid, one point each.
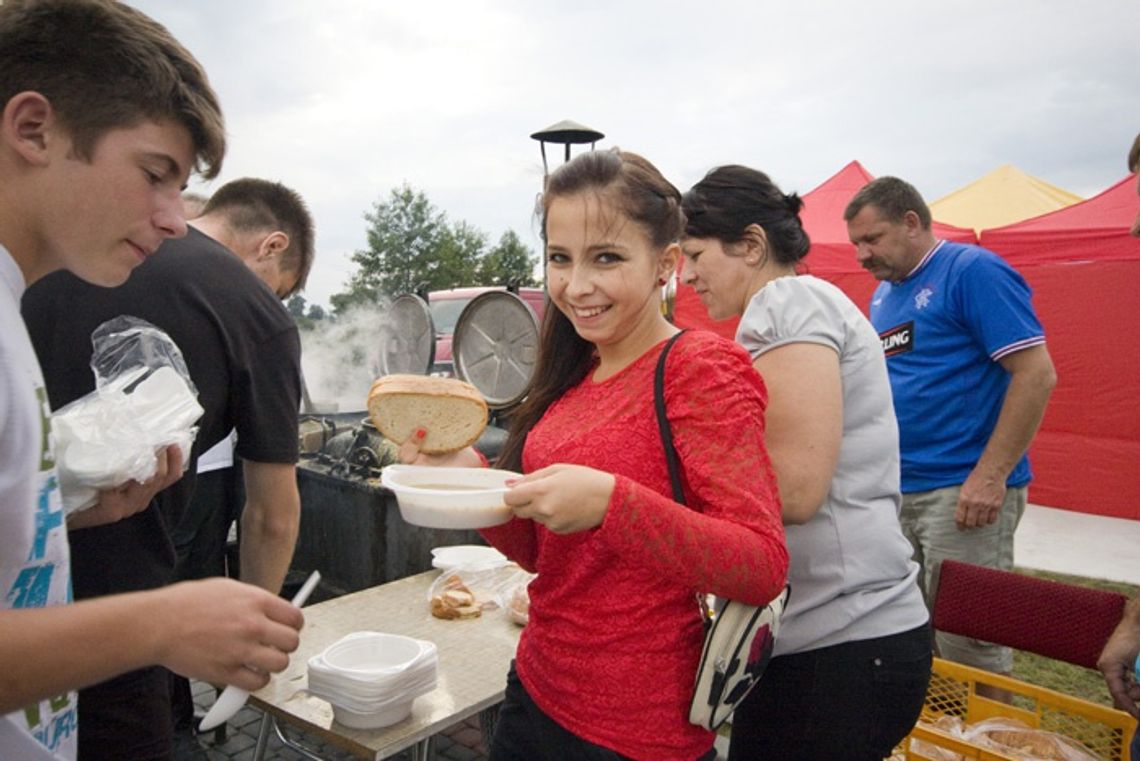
{"type": "Point", "coordinates": [495, 347]}
{"type": "Point", "coordinates": [407, 337]}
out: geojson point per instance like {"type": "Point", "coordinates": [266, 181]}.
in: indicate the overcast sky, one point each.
{"type": "Point", "coordinates": [344, 100]}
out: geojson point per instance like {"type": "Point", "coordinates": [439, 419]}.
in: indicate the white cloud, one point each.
{"type": "Point", "coordinates": [344, 100]}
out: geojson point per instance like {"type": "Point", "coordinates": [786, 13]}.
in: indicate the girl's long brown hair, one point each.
{"type": "Point", "coordinates": [642, 194]}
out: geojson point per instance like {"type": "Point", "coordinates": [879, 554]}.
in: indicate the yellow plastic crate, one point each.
{"type": "Point", "coordinates": [953, 692]}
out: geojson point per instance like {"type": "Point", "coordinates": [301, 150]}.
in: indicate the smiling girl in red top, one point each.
{"type": "Point", "coordinates": [606, 665]}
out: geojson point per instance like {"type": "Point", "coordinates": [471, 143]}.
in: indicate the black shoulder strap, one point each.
{"type": "Point", "coordinates": [663, 421]}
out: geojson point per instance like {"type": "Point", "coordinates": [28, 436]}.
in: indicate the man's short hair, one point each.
{"type": "Point", "coordinates": [252, 205]}
{"type": "Point", "coordinates": [192, 203]}
{"type": "Point", "coordinates": [1134, 156]}
{"type": "Point", "coordinates": [104, 65]}
{"type": "Point", "coordinates": [893, 198]}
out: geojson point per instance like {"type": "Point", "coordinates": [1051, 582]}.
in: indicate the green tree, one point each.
{"type": "Point", "coordinates": [510, 261]}
{"type": "Point", "coordinates": [305, 319]}
{"type": "Point", "coordinates": [410, 245]}
{"type": "Point", "coordinates": [342, 303]}
{"type": "Point", "coordinates": [461, 255]}
{"type": "Point", "coordinates": [413, 247]}
{"type": "Point", "coordinates": [296, 305]}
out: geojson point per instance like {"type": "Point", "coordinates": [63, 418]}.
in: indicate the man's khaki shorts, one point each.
{"type": "Point", "coordinates": [928, 522]}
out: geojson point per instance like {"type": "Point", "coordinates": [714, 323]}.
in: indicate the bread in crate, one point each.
{"type": "Point", "coordinates": [953, 697]}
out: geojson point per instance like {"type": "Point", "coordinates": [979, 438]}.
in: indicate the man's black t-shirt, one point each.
{"type": "Point", "coordinates": [243, 353]}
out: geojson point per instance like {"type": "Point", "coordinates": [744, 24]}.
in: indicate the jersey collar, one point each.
{"type": "Point", "coordinates": [922, 262]}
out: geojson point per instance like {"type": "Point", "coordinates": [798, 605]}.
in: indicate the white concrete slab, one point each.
{"type": "Point", "coordinates": [1063, 541]}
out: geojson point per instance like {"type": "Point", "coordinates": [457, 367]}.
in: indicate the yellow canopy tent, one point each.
{"type": "Point", "coordinates": [1003, 196]}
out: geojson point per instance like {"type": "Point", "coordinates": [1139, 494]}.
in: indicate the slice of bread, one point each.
{"type": "Point", "coordinates": [453, 412]}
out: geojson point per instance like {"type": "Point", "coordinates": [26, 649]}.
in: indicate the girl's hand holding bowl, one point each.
{"type": "Point", "coordinates": [564, 498]}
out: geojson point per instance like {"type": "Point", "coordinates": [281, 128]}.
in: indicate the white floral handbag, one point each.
{"type": "Point", "coordinates": [740, 637]}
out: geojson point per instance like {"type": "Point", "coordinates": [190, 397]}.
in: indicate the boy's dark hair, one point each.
{"type": "Point", "coordinates": [254, 205]}
{"type": "Point", "coordinates": [104, 65]}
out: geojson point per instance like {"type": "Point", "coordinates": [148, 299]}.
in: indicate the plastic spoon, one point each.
{"type": "Point", "coordinates": [233, 698]}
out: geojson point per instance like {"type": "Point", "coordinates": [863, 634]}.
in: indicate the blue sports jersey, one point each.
{"type": "Point", "coordinates": [943, 330]}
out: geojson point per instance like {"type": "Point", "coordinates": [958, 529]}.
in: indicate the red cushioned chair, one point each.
{"type": "Point", "coordinates": [1062, 621]}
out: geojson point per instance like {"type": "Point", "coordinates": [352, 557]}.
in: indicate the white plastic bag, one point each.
{"type": "Point", "coordinates": [1008, 736]}
{"type": "Point", "coordinates": [516, 602]}
{"type": "Point", "coordinates": [143, 402]}
{"type": "Point", "coordinates": [1025, 743]}
{"type": "Point", "coordinates": [490, 583]}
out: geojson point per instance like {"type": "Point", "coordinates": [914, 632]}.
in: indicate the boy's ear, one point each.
{"type": "Point", "coordinates": [272, 245]}
{"type": "Point", "coordinates": [27, 120]}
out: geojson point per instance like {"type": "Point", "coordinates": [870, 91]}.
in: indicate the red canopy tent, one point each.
{"type": "Point", "coordinates": [1084, 269]}
{"type": "Point", "coordinates": [832, 257]}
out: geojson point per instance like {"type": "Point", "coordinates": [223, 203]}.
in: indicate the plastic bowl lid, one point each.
{"type": "Point", "coordinates": [447, 558]}
{"type": "Point", "coordinates": [372, 652]}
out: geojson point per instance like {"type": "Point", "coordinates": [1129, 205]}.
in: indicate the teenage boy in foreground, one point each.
{"type": "Point", "coordinates": [104, 117]}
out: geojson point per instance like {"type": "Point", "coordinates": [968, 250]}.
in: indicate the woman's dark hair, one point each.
{"type": "Point", "coordinates": [730, 198]}
{"type": "Point", "coordinates": [632, 186]}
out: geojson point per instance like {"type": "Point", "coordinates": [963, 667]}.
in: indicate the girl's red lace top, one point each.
{"type": "Point", "coordinates": [614, 637]}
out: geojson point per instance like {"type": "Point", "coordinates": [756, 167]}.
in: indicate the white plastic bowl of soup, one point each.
{"type": "Point", "coordinates": [449, 497]}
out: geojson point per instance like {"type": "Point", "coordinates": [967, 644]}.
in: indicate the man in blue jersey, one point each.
{"type": "Point", "coordinates": [970, 376]}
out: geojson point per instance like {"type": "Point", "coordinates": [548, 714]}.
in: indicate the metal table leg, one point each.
{"type": "Point", "coordinates": [421, 751]}
{"type": "Point", "coordinates": [220, 730]}
{"type": "Point", "coordinates": [289, 743]}
{"type": "Point", "coordinates": [262, 738]}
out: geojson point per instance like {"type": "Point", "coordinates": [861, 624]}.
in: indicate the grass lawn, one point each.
{"type": "Point", "coordinates": [1063, 677]}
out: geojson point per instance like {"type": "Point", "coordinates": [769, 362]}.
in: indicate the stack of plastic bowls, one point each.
{"type": "Point", "coordinates": [372, 678]}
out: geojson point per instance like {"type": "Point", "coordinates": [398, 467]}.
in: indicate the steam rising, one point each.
{"type": "Point", "coordinates": [341, 358]}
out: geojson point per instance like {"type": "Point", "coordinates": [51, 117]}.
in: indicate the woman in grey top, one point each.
{"type": "Point", "coordinates": [852, 660]}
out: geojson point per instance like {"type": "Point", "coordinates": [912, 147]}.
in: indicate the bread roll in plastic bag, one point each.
{"type": "Point", "coordinates": [1025, 743]}
{"type": "Point", "coordinates": [143, 402]}
{"type": "Point", "coordinates": [490, 583]}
